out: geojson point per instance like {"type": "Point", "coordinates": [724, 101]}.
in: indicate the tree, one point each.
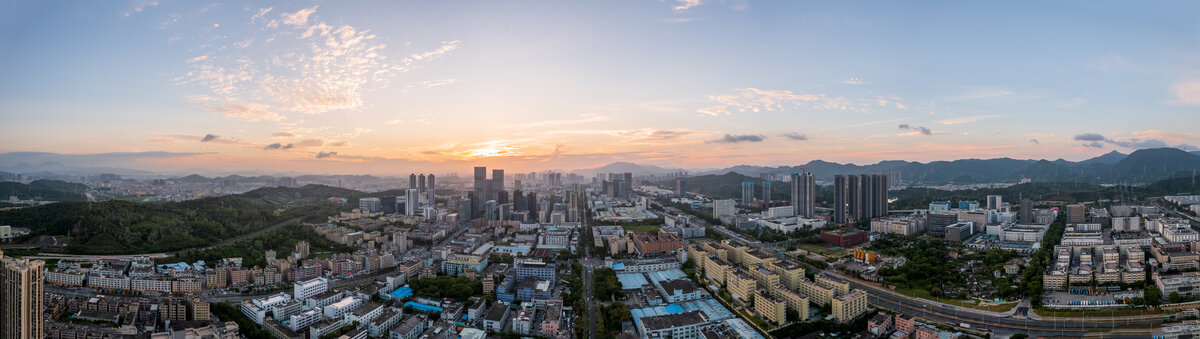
{"type": "Point", "coordinates": [1175, 298]}
{"type": "Point", "coordinates": [1019, 336]}
{"type": "Point", "coordinates": [792, 315]}
{"type": "Point", "coordinates": [1152, 296]}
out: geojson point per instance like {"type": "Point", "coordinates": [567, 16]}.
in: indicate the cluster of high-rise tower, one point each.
{"type": "Point", "coordinates": [855, 197]}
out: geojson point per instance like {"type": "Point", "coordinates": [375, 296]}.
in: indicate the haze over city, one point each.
{"type": "Point", "coordinates": [391, 87]}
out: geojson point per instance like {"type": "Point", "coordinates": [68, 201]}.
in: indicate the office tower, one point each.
{"type": "Point", "coordinates": [490, 210]}
{"type": "Point", "coordinates": [1026, 211]}
{"type": "Point", "coordinates": [497, 182]}
{"type": "Point", "coordinates": [804, 190]}
{"type": "Point", "coordinates": [628, 185]}
{"type": "Point", "coordinates": [747, 192]}
{"type": "Point", "coordinates": [994, 202]}
{"type": "Point", "coordinates": [766, 193]}
{"type": "Point", "coordinates": [519, 201]}
{"type": "Point", "coordinates": [21, 298]}
{"type": "Point", "coordinates": [1076, 213]}
{"type": "Point", "coordinates": [388, 205]}
{"type": "Point", "coordinates": [412, 201]}
{"type": "Point", "coordinates": [432, 183]}
{"type": "Point", "coordinates": [421, 183]}
{"type": "Point", "coordinates": [480, 188]}
{"type": "Point", "coordinates": [465, 209]}
{"type": "Point", "coordinates": [517, 184]}
{"type": "Point", "coordinates": [533, 206]}
{"type": "Point", "coordinates": [412, 180]}
{"type": "Point", "coordinates": [502, 197]}
{"type": "Point", "coordinates": [370, 205]}
{"type": "Point", "coordinates": [680, 187]}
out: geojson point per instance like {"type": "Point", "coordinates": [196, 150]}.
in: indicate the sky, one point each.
{"type": "Point", "coordinates": [386, 87]}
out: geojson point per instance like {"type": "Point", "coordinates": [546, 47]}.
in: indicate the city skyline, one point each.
{"type": "Point", "coordinates": [393, 88]}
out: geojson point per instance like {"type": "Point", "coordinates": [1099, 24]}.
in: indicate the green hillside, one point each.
{"type": "Point", "coordinates": [51, 190]}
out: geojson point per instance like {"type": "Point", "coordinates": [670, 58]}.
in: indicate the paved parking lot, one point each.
{"type": "Point", "coordinates": [1064, 298]}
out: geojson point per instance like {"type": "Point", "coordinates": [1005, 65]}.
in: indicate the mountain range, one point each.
{"type": "Point", "coordinates": [1141, 166]}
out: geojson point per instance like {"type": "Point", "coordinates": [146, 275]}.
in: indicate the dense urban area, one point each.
{"type": "Point", "coordinates": [563, 255]}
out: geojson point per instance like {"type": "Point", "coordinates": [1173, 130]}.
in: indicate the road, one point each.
{"type": "Point", "coordinates": [998, 322]}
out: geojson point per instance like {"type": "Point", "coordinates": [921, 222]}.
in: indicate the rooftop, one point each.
{"type": "Point", "coordinates": [673, 320]}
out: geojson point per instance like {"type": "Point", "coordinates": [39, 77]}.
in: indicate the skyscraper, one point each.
{"type": "Point", "coordinates": [22, 297]}
{"type": "Point", "coordinates": [680, 187]}
{"type": "Point", "coordinates": [421, 183]}
{"type": "Point", "coordinates": [803, 195]}
{"type": "Point", "coordinates": [480, 188]}
{"type": "Point", "coordinates": [497, 183]}
{"type": "Point", "coordinates": [628, 186]}
{"type": "Point", "coordinates": [747, 192]}
{"type": "Point", "coordinates": [412, 180]}
{"type": "Point", "coordinates": [432, 183]}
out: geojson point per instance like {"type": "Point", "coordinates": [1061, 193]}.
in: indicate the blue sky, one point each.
{"type": "Point", "coordinates": [369, 86]}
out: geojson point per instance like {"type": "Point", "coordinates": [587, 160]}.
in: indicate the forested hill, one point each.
{"type": "Point", "coordinates": [127, 227]}
{"type": "Point", "coordinates": [51, 190]}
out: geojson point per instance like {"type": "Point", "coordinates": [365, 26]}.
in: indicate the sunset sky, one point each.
{"type": "Point", "coordinates": [394, 87]}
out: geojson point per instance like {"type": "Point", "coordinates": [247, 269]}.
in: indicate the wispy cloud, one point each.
{"type": "Point", "coordinates": [1187, 92]}
{"type": "Point", "coordinates": [279, 146]}
{"type": "Point", "coordinates": [854, 81]}
{"type": "Point", "coordinates": [139, 6]}
{"type": "Point", "coordinates": [299, 18]}
{"type": "Point", "coordinates": [795, 136]}
{"type": "Point", "coordinates": [981, 92]}
{"type": "Point", "coordinates": [755, 100]}
{"type": "Point", "coordinates": [323, 155]}
{"type": "Point", "coordinates": [966, 120]}
{"type": "Point", "coordinates": [676, 20]}
{"type": "Point", "coordinates": [261, 12]}
{"type": "Point", "coordinates": [733, 139]}
{"type": "Point", "coordinates": [683, 5]}
{"type": "Point", "coordinates": [653, 134]}
{"type": "Point", "coordinates": [1140, 140]}
{"type": "Point", "coordinates": [1035, 141]}
{"type": "Point", "coordinates": [282, 135]}
{"type": "Point", "coordinates": [326, 68]}
{"type": "Point", "coordinates": [916, 130]}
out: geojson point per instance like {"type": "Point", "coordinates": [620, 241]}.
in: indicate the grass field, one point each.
{"type": "Point", "coordinates": [924, 294]}
{"type": "Point", "coordinates": [642, 228]}
{"type": "Point", "coordinates": [822, 250]}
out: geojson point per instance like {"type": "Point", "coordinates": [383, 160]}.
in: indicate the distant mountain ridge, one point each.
{"type": "Point", "coordinates": [1141, 166]}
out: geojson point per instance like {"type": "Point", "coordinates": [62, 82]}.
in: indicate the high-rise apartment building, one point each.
{"type": "Point", "coordinates": [859, 197]}
{"type": "Point", "coordinates": [412, 180]}
{"type": "Point", "coordinates": [994, 202]}
{"type": "Point", "coordinates": [1026, 211]}
{"type": "Point", "coordinates": [413, 199]}
{"type": "Point", "coordinates": [432, 183]}
{"type": "Point", "coordinates": [22, 298]}
{"type": "Point", "coordinates": [747, 192]}
{"type": "Point", "coordinates": [421, 182]}
{"type": "Point", "coordinates": [804, 190]}
{"type": "Point", "coordinates": [766, 193]}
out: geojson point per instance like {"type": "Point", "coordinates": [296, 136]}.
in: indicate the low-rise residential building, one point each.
{"type": "Point", "coordinates": [850, 306]}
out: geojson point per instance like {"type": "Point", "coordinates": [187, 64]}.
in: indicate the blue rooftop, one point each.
{"type": "Point", "coordinates": [422, 307]}
{"type": "Point", "coordinates": [401, 293]}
